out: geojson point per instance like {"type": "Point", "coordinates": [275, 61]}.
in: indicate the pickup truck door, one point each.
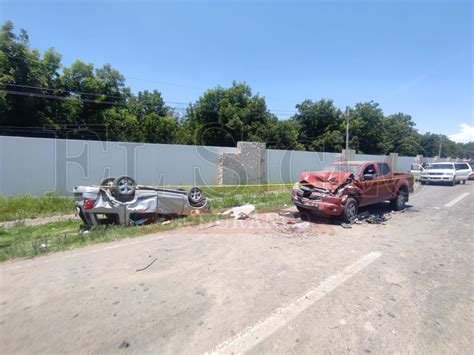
{"type": "Point", "coordinates": [369, 185]}
{"type": "Point", "coordinates": [386, 182]}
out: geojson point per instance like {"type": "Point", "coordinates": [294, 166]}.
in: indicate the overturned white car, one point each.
{"type": "Point", "coordinates": [121, 201]}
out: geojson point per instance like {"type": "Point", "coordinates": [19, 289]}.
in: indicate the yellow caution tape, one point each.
{"type": "Point", "coordinates": [181, 186]}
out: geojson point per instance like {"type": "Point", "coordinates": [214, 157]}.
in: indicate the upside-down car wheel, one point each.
{"type": "Point", "coordinates": [124, 186]}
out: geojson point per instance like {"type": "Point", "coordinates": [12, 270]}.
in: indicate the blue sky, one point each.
{"type": "Point", "coordinates": [414, 57]}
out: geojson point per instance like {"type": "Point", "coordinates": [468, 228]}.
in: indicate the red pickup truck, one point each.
{"type": "Point", "coordinates": [340, 188]}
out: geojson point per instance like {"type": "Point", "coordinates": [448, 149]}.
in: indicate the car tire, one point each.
{"type": "Point", "coordinates": [453, 183]}
{"type": "Point", "coordinates": [351, 209]}
{"type": "Point", "coordinates": [195, 196]}
{"type": "Point", "coordinates": [423, 182]}
{"type": "Point", "coordinates": [124, 186]}
{"type": "Point", "coordinates": [398, 203]}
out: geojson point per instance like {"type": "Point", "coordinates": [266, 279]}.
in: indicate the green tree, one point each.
{"type": "Point", "coordinates": [223, 116]}
{"type": "Point", "coordinates": [284, 134]}
{"type": "Point", "coordinates": [320, 124]}
{"type": "Point", "coordinates": [398, 134]}
{"type": "Point", "coordinates": [366, 120]}
{"type": "Point", "coordinates": [24, 76]}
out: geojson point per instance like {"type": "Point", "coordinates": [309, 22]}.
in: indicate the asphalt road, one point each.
{"type": "Point", "coordinates": [258, 286]}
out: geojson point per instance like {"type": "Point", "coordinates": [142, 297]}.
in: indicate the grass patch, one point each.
{"type": "Point", "coordinates": [28, 206]}
{"type": "Point", "coordinates": [23, 241]}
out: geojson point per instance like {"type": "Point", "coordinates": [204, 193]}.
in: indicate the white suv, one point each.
{"type": "Point", "coordinates": [451, 173]}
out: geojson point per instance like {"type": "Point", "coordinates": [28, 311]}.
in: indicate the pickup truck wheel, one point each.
{"type": "Point", "coordinates": [350, 210]}
{"type": "Point", "coordinates": [303, 210]}
{"type": "Point", "coordinates": [305, 213]}
{"type": "Point", "coordinates": [398, 203]}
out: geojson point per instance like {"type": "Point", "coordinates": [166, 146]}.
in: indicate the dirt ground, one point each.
{"type": "Point", "coordinates": [260, 285]}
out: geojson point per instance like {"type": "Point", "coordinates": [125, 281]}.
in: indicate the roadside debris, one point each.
{"type": "Point", "coordinates": [241, 212]}
{"type": "Point", "coordinates": [195, 213]}
{"type": "Point", "coordinates": [377, 218]}
{"type": "Point", "coordinates": [211, 226]}
{"type": "Point", "coordinates": [371, 218]}
{"type": "Point", "coordinates": [166, 222]}
{"type": "Point", "coordinates": [301, 225]}
{"type": "Point", "coordinates": [124, 345]}
{"type": "Point", "coordinates": [146, 267]}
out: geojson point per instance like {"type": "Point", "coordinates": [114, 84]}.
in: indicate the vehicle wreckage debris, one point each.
{"type": "Point", "coordinates": [301, 225]}
{"type": "Point", "coordinates": [146, 267]}
{"type": "Point", "coordinates": [371, 218]}
{"type": "Point", "coordinates": [377, 218]}
{"type": "Point", "coordinates": [240, 212]}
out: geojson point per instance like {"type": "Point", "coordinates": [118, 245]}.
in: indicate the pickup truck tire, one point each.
{"type": "Point", "coordinates": [398, 203]}
{"type": "Point", "coordinates": [305, 213]}
{"type": "Point", "coordinates": [350, 210]}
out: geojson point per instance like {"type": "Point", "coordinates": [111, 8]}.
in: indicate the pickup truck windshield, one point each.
{"type": "Point", "coordinates": [442, 166]}
{"type": "Point", "coordinates": [353, 168]}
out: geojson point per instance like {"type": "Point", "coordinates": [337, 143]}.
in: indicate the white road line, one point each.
{"type": "Point", "coordinates": [456, 200]}
{"type": "Point", "coordinates": [255, 334]}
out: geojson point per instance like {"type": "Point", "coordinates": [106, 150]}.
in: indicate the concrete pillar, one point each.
{"type": "Point", "coordinates": [348, 155]}
{"type": "Point", "coordinates": [247, 166]}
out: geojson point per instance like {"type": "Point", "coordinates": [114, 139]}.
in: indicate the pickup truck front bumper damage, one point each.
{"type": "Point", "coordinates": [332, 206]}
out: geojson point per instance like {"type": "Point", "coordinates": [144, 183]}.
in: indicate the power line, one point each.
{"type": "Point", "coordinates": [50, 96]}
{"type": "Point", "coordinates": [62, 90]}
{"type": "Point", "coordinates": [280, 112]}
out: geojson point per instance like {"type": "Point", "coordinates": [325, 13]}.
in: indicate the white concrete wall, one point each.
{"type": "Point", "coordinates": [38, 165]}
{"type": "Point", "coordinates": [285, 165]}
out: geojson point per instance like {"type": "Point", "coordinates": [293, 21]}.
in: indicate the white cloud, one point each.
{"type": "Point", "coordinates": [466, 134]}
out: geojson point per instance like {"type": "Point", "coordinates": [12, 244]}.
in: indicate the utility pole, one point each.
{"type": "Point", "coordinates": [347, 128]}
{"type": "Point", "coordinates": [439, 152]}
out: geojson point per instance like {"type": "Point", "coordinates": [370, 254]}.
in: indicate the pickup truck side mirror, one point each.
{"type": "Point", "coordinates": [369, 176]}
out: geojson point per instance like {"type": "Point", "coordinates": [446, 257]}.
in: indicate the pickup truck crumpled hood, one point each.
{"type": "Point", "coordinates": [325, 179]}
